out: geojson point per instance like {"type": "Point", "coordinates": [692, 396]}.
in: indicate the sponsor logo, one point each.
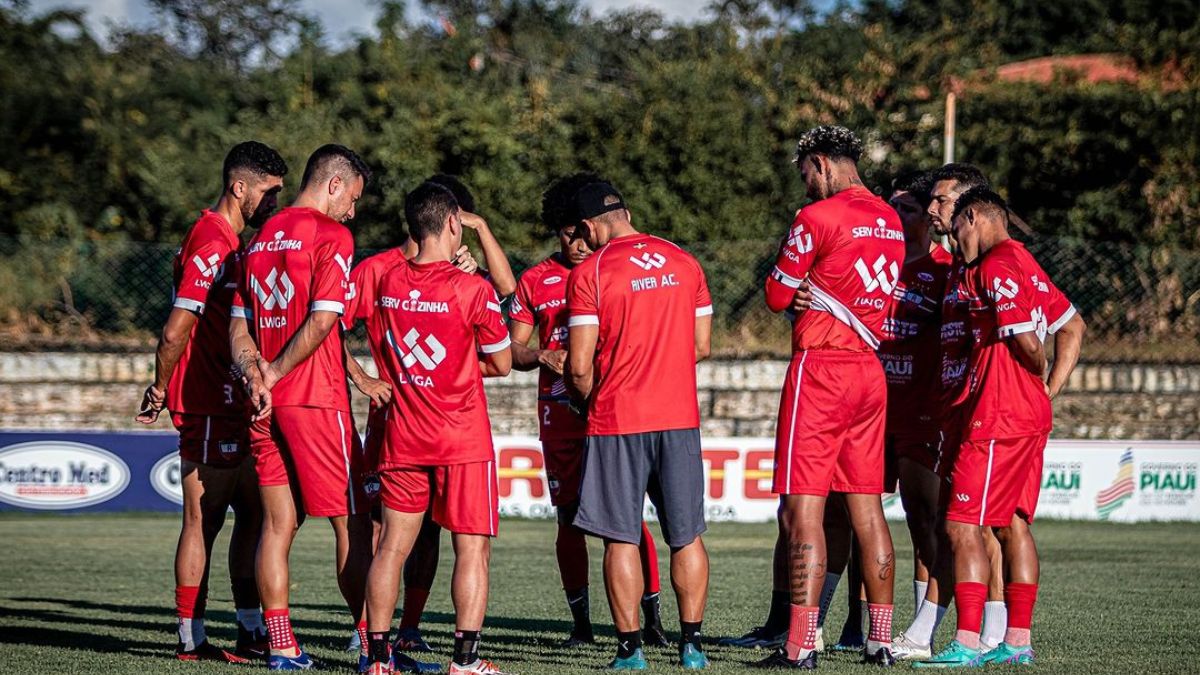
{"type": "Point", "coordinates": [276, 291]}
{"type": "Point", "coordinates": [925, 276]}
{"type": "Point", "coordinates": [429, 354]}
{"type": "Point", "coordinates": [1061, 482]}
{"type": "Point", "coordinates": [898, 367]}
{"type": "Point", "coordinates": [962, 497]}
{"type": "Point", "coordinates": [167, 479]}
{"type": "Point", "coordinates": [210, 267]}
{"type": "Point", "coordinates": [800, 240]}
{"type": "Point", "coordinates": [277, 243]}
{"type": "Point", "coordinates": [882, 275]}
{"type": "Point", "coordinates": [1120, 490]}
{"type": "Point", "coordinates": [414, 303]}
{"type": "Point", "coordinates": [649, 261]}
{"type": "Point", "coordinates": [651, 283]}
{"type": "Point", "coordinates": [1006, 289]}
{"type": "Point", "coordinates": [880, 231]}
{"type": "Point", "coordinates": [372, 486]}
{"type": "Point", "coordinates": [1170, 484]}
{"type": "Point", "coordinates": [343, 263]}
{"type": "Point", "coordinates": [1039, 284]}
{"type": "Point", "coordinates": [1038, 317]}
{"type": "Point", "coordinates": [551, 280]}
{"type": "Point", "coordinates": [56, 475]}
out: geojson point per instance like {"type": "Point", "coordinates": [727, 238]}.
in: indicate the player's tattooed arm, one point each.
{"type": "Point", "coordinates": [1068, 343]}
{"type": "Point", "coordinates": [498, 267]}
{"type": "Point", "coordinates": [377, 390]}
{"type": "Point", "coordinates": [247, 365]}
{"type": "Point", "coordinates": [171, 345]}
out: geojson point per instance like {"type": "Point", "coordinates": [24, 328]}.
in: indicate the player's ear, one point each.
{"type": "Point", "coordinates": [238, 188]}
{"type": "Point", "coordinates": [335, 184]}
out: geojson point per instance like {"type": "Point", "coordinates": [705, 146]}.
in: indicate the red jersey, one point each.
{"type": "Point", "coordinates": [956, 336]}
{"type": "Point", "coordinates": [1004, 399]}
{"type": "Point", "coordinates": [362, 299]}
{"type": "Point", "coordinates": [911, 354]}
{"type": "Point", "coordinates": [205, 279]}
{"type": "Point", "coordinates": [299, 262]}
{"type": "Point", "coordinates": [644, 293]}
{"type": "Point", "coordinates": [541, 301]}
{"type": "Point", "coordinates": [850, 248]}
{"type": "Point", "coordinates": [435, 321]}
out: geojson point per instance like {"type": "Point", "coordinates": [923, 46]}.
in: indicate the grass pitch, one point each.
{"type": "Point", "coordinates": [95, 594]}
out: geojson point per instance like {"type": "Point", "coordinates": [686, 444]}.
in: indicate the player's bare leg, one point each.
{"type": "Point", "coordinates": [281, 520]}
{"type": "Point", "coordinates": [878, 571]}
{"type": "Point", "coordinates": [243, 547]}
{"type": "Point", "coordinates": [623, 583]}
{"type": "Point", "coordinates": [207, 493]}
{"type": "Point", "coordinates": [995, 617]}
{"type": "Point", "coordinates": [1022, 572]}
{"type": "Point", "coordinates": [469, 590]}
{"type": "Point", "coordinates": [398, 534]}
{"type": "Point", "coordinates": [920, 493]}
{"type": "Point", "coordinates": [689, 578]}
{"type": "Point", "coordinates": [352, 539]}
{"type": "Point", "coordinates": [839, 539]}
{"type": "Point", "coordinates": [419, 573]}
{"type": "Point", "coordinates": [972, 571]}
{"type": "Point", "coordinates": [802, 519]}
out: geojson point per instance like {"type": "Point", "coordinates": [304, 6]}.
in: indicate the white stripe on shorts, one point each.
{"type": "Point", "coordinates": [346, 458]}
{"type": "Point", "coordinates": [987, 481]}
{"type": "Point", "coordinates": [787, 482]}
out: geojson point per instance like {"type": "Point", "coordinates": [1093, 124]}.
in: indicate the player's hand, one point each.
{"type": "Point", "coordinates": [377, 390]}
{"type": "Point", "coordinates": [270, 375]}
{"type": "Point", "coordinates": [554, 359]}
{"type": "Point", "coordinates": [259, 397]}
{"type": "Point", "coordinates": [802, 299]}
{"type": "Point", "coordinates": [472, 220]}
{"type": "Point", "coordinates": [152, 405]}
{"type": "Point", "coordinates": [464, 261]}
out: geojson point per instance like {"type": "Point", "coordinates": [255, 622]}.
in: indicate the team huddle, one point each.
{"type": "Point", "coordinates": [911, 365]}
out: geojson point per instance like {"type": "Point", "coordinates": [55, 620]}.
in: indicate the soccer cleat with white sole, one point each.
{"type": "Point", "coordinates": [905, 649]}
{"type": "Point", "coordinates": [480, 667]}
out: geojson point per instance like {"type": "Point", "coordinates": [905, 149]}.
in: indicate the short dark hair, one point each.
{"type": "Point", "coordinates": [426, 209]}
{"type": "Point", "coordinates": [557, 201]}
{"type": "Point", "coordinates": [466, 200]}
{"type": "Point", "coordinates": [332, 159]}
{"type": "Point", "coordinates": [968, 176]}
{"type": "Point", "coordinates": [982, 199]}
{"type": "Point", "coordinates": [831, 141]}
{"type": "Point", "coordinates": [915, 183]}
{"type": "Point", "coordinates": [257, 158]}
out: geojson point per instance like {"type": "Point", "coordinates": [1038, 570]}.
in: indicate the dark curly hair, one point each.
{"type": "Point", "coordinates": [967, 176]}
{"type": "Point", "coordinates": [257, 158]}
{"type": "Point", "coordinates": [557, 210]}
{"type": "Point", "coordinates": [983, 199]}
{"type": "Point", "coordinates": [915, 183]}
{"type": "Point", "coordinates": [462, 193]}
{"type": "Point", "coordinates": [331, 159]}
{"type": "Point", "coordinates": [831, 141]}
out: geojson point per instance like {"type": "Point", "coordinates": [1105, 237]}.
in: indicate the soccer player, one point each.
{"type": "Point", "coordinates": [849, 246]}
{"type": "Point", "coordinates": [288, 348]}
{"type": "Point", "coordinates": [192, 380]}
{"type": "Point", "coordinates": [541, 303]}
{"type": "Point", "coordinates": [997, 474]}
{"type": "Point", "coordinates": [443, 333]}
{"type": "Point", "coordinates": [640, 319]}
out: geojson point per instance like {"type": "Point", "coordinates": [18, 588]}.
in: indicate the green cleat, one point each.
{"type": "Point", "coordinates": [691, 658]}
{"type": "Point", "coordinates": [955, 655]}
{"type": "Point", "coordinates": [635, 661]}
{"type": "Point", "coordinates": [1006, 653]}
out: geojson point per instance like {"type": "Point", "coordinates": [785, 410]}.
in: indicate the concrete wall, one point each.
{"type": "Point", "coordinates": [737, 398]}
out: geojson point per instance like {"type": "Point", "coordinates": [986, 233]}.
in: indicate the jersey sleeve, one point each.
{"type": "Point", "coordinates": [1059, 309]}
{"type": "Point", "coordinates": [201, 267]}
{"type": "Point", "coordinates": [583, 297]}
{"type": "Point", "coordinates": [521, 308]}
{"type": "Point", "coordinates": [359, 297]}
{"type": "Point", "coordinates": [1010, 296]}
{"type": "Point", "coordinates": [797, 253]}
{"type": "Point", "coordinates": [704, 305]}
{"type": "Point", "coordinates": [331, 272]}
{"type": "Point", "coordinates": [490, 332]}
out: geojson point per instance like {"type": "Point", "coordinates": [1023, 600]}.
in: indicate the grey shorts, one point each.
{"type": "Point", "coordinates": [618, 473]}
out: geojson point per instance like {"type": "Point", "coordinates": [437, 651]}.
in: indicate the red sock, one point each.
{"type": "Point", "coordinates": [187, 601]}
{"type": "Point", "coordinates": [414, 606]}
{"type": "Point", "coordinates": [1019, 598]}
{"type": "Point", "coordinates": [571, 550]}
{"type": "Point", "coordinates": [802, 632]}
{"type": "Point", "coordinates": [279, 629]}
{"type": "Point", "coordinates": [881, 623]}
{"type": "Point", "coordinates": [362, 635]}
{"type": "Point", "coordinates": [649, 561]}
{"type": "Point", "coordinates": [969, 598]}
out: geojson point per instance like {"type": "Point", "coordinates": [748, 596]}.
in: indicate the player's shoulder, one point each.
{"type": "Point", "coordinates": [588, 267]}
{"type": "Point", "coordinates": [210, 228]}
{"type": "Point", "coordinates": [1007, 256]}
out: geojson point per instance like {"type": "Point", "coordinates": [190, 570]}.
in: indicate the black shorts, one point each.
{"type": "Point", "coordinates": [618, 473]}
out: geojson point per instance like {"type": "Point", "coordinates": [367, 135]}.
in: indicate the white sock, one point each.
{"type": "Point", "coordinates": [191, 633]}
{"type": "Point", "coordinates": [251, 620]}
{"type": "Point", "coordinates": [925, 623]}
{"type": "Point", "coordinates": [995, 623]}
{"type": "Point", "coordinates": [919, 588]}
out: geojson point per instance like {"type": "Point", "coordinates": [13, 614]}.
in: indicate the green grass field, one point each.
{"type": "Point", "coordinates": [95, 593]}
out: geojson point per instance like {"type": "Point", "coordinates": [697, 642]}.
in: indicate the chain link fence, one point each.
{"type": "Point", "coordinates": [1142, 304]}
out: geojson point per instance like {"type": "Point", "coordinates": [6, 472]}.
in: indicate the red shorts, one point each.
{"type": "Point", "coordinates": [564, 466]}
{"type": "Point", "coordinates": [317, 452]}
{"type": "Point", "coordinates": [465, 497]}
{"type": "Point", "coordinates": [831, 423]}
{"type": "Point", "coordinates": [995, 480]}
{"type": "Point", "coordinates": [215, 441]}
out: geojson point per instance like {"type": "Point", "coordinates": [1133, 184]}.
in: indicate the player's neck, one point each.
{"type": "Point", "coordinates": [844, 179]}
{"type": "Point", "coordinates": [228, 209]}
{"type": "Point", "coordinates": [433, 250]}
{"type": "Point", "coordinates": [991, 241]}
{"type": "Point", "coordinates": [310, 199]}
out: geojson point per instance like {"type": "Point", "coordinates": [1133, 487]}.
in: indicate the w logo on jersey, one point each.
{"type": "Point", "coordinates": [884, 275]}
{"type": "Point", "coordinates": [1006, 289]}
{"type": "Point", "coordinates": [343, 263]}
{"type": "Point", "coordinates": [208, 267]}
{"type": "Point", "coordinates": [428, 355]}
{"type": "Point", "coordinates": [800, 240]}
{"type": "Point", "coordinates": [276, 291]}
{"type": "Point", "coordinates": [1040, 325]}
{"type": "Point", "coordinates": [649, 261]}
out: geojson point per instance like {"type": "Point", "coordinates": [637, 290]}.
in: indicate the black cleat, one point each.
{"type": "Point", "coordinates": [882, 657]}
{"type": "Point", "coordinates": [653, 636]}
{"type": "Point", "coordinates": [251, 645]}
{"type": "Point", "coordinates": [578, 639]}
{"type": "Point", "coordinates": [779, 659]}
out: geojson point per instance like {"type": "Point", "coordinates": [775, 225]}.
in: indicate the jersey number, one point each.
{"type": "Point", "coordinates": [228, 394]}
{"type": "Point", "coordinates": [546, 415]}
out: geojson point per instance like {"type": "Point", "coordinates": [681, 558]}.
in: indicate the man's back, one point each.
{"type": "Point", "coordinates": [644, 293]}
{"type": "Point", "coordinates": [435, 319]}
{"type": "Point", "coordinates": [299, 262]}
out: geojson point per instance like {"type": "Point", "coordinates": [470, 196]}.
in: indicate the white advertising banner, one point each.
{"type": "Point", "coordinates": [1125, 481]}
